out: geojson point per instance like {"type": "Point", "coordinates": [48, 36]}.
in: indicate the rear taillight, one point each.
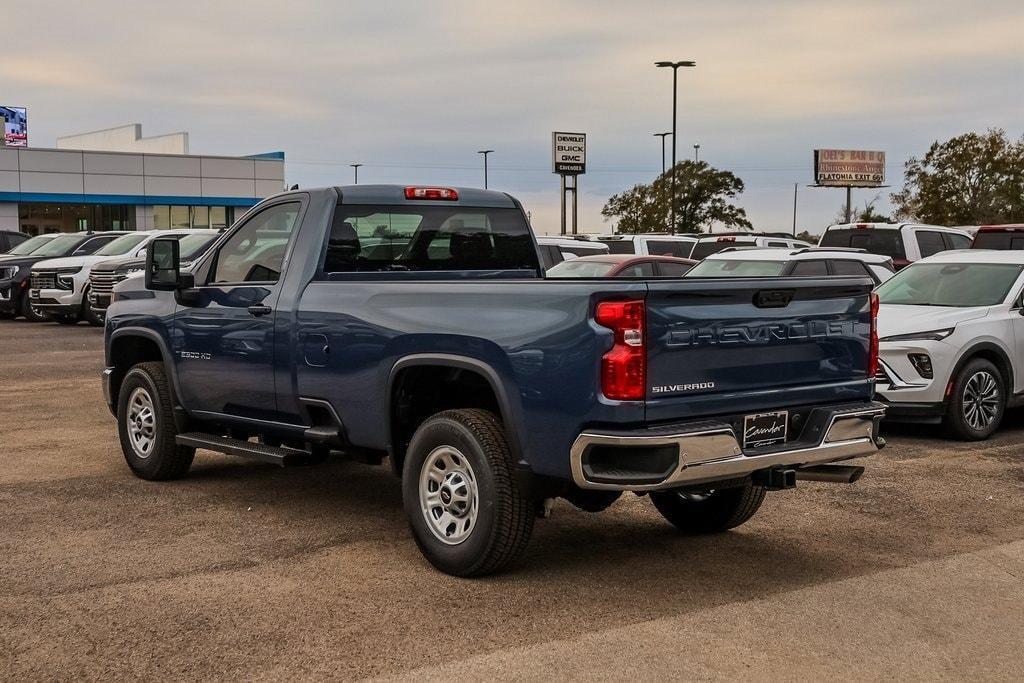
{"type": "Point", "coordinates": [624, 368]}
{"type": "Point", "coordinates": [873, 343]}
{"type": "Point", "coordinates": [440, 193]}
{"type": "Point", "coordinates": [900, 263]}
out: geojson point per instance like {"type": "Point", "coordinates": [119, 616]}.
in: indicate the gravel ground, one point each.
{"type": "Point", "coordinates": [244, 570]}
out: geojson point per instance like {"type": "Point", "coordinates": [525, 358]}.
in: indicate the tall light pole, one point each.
{"type": "Point", "coordinates": [675, 71]}
{"type": "Point", "coordinates": [485, 152]}
{"type": "Point", "coordinates": [662, 136]}
{"type": "Point", "coordinates": [696, 152]}
{"type": "Point", "coordinates": [355, 171]}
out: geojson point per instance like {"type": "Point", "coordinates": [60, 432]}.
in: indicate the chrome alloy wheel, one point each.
{"type": "Point", "coordinates": [141, 422]}
{"type": "Point", "coordinates": [981, 398]}
{"type": "Point", "coordinates": [448, 495]}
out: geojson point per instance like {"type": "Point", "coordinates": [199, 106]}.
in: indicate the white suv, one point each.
{"type": "Point", "coordinates": [714, 243]}
{"type": "Point", "coordinates": [904, 243]}
{"type": "Point", "coordinates": [555, 249]}
{"type": "Point", "coordinates": [59, 287]}
{"type": "Point", "coordinates": [651, 244]}
{"type": "Point", "coordinates": [808, 262]}
{"type": "Point", "coordinates": [951, 330]}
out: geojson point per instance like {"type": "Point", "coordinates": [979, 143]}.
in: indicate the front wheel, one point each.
{"type": "Point", "coordinates": [145, 425]}
{"type": "Point", "coordinates": [711, 511]}
{"type": "Point", "coordinates": [466, 509]}
{"type": "Point", "coordinates": [30, 312]}
{"type": "Point", "coordinates": [976, 402]}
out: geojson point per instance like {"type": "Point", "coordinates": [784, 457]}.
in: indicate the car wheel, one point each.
{"type": "Point", "coordinates": [976, 402]}
{"type": "Point", "coordinates": [90, 314]}
{"type": "Point", "coordinates": [711, 511]}
{"type": "Point", "coordinates": [30, 312]}
{"type": "Point", "coordinates": [145, 425]}
{"type": "Point", "coordinates": [467, 511]}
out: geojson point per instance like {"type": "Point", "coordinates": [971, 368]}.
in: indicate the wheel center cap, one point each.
{"type": "Point", "coordinates": [446, 495]}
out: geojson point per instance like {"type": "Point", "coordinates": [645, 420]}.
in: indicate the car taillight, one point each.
{"type": "Point", "coordinates": [441, 193]}
{"type": "Point", "coordinates": [624, 368]}
{"type": "Point", "coordinates": [726, 239]}
{"type": "Point", "coordinates": [900, 263]}
{"type": "Point", "coordinates": [873, 343]}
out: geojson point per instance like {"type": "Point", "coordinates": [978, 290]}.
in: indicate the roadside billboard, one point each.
{"type": "Point", "coordinates": [849, 168]}
{"type": "Point", "coordinates": [15, 126]}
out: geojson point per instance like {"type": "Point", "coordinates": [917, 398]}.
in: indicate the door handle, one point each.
{"type": "Point", "coordinates": [259, 309]}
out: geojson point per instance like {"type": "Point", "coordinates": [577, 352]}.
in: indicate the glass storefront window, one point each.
{"type": "Point", "coordinates": [200, 217]}
{"type": "Point", "coordinates": [38, 218]}
{"type": "Point", "coordinates": [161, 217]}
{"type": "Point", "coordinates": [180, 218]}
{"type": "Point", "coordinates": [218, 217]}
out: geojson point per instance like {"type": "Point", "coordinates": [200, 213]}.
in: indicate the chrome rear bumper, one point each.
{"type": "Point", "coordinates": [710, 451]}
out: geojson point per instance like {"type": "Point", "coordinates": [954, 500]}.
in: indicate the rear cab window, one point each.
{"type": "Point", "coordinates": [677, 248]}
{"type": "Point", "coordinates": [1001, 240]}
{"type": "Point", "coordinates": [416, 238]}
{"type": "Point", "coordinates": [884, 241]}
{"type": "Point", "coordinates": [705, 248]}
{"type": "Point", "coordinates": [619, 246]}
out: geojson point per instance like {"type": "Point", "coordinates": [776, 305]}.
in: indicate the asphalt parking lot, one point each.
{"type": "Point", "coordinates": [246, 571]}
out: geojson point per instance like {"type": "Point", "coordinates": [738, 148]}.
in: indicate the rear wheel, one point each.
{"type": "Point", "coordinates": [467, 512]}
{"type": "Point", "coordinates": [711, 511]}
{"type": "Point", "coordinates": [145, 425]}
{"type": "Point", "coordinates": [976, 402]}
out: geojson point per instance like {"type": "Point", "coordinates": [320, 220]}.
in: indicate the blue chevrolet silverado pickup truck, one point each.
{"type": "Point", "coordinates": [416, 324]}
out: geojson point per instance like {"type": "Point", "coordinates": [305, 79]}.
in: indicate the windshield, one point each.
{"type": "Point", "coordinates": [30, 245]}
{"type": "Point", "coordinates": [191, 246]}
{"type": "Point", "coordinates": [950, 284]}
{"type": "Point", "coordinates": [884, 241]}
{"type": "Point", "coordinates": [59, 246]}
{"type": "Point", "coordinates": [122, 245]}
{"type": "Point", "coordinates": [736, 268]}
{"type": "Point", "coordinates": [577, 268]}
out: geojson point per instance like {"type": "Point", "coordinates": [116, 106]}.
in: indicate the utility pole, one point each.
{"type": "Point", "coordinates": [795, 185]}
{"type": "Point", "coordinates": [485, 152]}
{"type": "Point", "coordinates": [355, 171]}
{"type": "Point", "coordinates": [675, 89]}
{"type": "Point", "coordinates": [696, 153]}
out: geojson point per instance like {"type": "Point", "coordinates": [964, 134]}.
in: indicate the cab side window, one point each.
{"type": "Point", "coordinates": [930, 242]}
{"type": "Point", "coordinates": [848, 267]}
{"type": "Point", "coordinates": [255, 253]}
{"type": "Point", "coordinates": [810, 269]}
{"type": "Point", "coordinates": [958, 241]}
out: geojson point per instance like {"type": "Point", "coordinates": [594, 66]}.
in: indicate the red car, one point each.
{"type": "Point", "coordinates": [622, 265]}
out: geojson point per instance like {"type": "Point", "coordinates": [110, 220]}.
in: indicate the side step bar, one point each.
{"type": "Point", "coordinates": [284, 457]}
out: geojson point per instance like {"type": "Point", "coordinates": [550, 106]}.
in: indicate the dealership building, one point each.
{"type": "Point", "coordinates": [118, 180]}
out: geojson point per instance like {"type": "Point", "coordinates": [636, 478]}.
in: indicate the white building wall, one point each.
{"type": "Point", "coordinates": [126, 139]}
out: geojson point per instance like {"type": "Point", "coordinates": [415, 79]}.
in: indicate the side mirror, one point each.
{"type": "Point", "coordinates": [163, 264]}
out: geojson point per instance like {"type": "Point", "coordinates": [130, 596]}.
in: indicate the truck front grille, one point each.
{"type": "Point", "coordinates": [42, 279]}
{"type": "Point", "coordinates": [102, 282]}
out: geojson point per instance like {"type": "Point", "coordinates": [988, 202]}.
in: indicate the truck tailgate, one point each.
{"type": "Point", "coordinates": [732, 345]}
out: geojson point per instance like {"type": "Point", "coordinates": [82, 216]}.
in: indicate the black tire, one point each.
{"type": "Point", "coordinates": [6, 315]}
{"type": "Point", "coordinates": [709, 512]}
{"type": "Point", "coordinates": [30, 313]}
{"type": "Point", "coordinates": [504, 514]}
{"type": "Point", "coordinates": [90, 314]}
{"type": "Point", "coordinates": [961, 421]}
{"type": "Point", "coordinates": [164, 459]}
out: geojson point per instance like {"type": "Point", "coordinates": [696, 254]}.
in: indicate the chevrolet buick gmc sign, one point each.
{"type": "Point", "coordinates": [569, 153]}
{"type": "Point", "coordinates": [849, 168]}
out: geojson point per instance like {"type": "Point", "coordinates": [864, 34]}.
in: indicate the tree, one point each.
{"type": "Point", "coordinates": [703, 198]}
{"type": "Point", "coordinates": [971, 179]}
{"type": "Point", "coordinates": [864, 214]}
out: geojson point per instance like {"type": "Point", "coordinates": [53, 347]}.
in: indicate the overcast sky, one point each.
{"type": "Point", "coordinates": [412, 89]}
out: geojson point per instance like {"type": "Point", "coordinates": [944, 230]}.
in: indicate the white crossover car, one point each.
{"type": "Point", "coordinates": [951, 330]}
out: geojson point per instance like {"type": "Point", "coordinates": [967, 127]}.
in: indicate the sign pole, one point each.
{"type": "Point", "coordinates": [575, 185]}
{"type": "Point", "coordinates": [849, 209]}
{"type": "Point", "coordinates": [795, 186]}
{"type": "Point", "coordinates": [562, 201]}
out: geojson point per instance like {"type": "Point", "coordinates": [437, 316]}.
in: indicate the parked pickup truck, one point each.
{"type": "Point", "coordinates": [415, 323]}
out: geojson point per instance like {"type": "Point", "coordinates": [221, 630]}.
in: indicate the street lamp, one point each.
{"type": "Point", "coordinates": [696, 152]}
{"type": "Point", "coordinates": [355, 170]}
{"type": "Point", "coordinates": [485, 152]}
{"type": "Point", "coordinates": [662, 136]}
{"type": "Point", "coordinates": [675, 71]}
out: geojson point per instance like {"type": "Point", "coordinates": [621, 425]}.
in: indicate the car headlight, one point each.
{"type": "Point", "coordinates": [8, 272]}
{"type": "Point", "coordinates": [930, 335]}
{"type": "Point", "coordinates": [66, 277]}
